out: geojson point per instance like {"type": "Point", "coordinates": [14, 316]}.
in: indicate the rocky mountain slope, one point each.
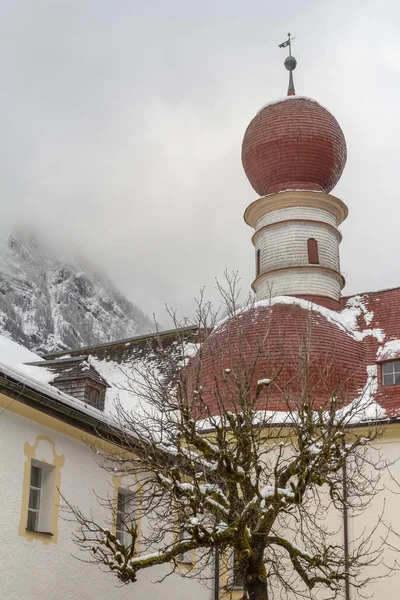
{"type": "Point", "coordinates": [48, 304]}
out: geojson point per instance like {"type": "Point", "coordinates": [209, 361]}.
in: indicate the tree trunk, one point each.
{"type": "Point", "coordinates": [257, 590]}
{"type": "Point", "coordinates": [255, 576]}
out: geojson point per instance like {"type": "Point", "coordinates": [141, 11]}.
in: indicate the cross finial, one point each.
{"type": "Point", "coordinates": [290, 64]}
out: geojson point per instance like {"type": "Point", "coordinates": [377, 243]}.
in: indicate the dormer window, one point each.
{"type": "Point", "coordinates": [94, 395]}
{"type": "Point", "coordinates": [391, 373]}
{"type": "Point", "coordinates": [77, 377]}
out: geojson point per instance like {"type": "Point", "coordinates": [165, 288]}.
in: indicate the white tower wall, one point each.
{"type": "Point", "coordinates": [284, 223]}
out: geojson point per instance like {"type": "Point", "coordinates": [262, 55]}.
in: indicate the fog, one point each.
{"type": "Point", "coordinates": [122, 125]}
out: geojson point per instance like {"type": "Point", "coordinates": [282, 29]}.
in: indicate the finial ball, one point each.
{"type": "Point", "coordinates": [290, 63]}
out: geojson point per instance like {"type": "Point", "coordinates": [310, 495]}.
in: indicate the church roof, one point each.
{"type": "Point", "coordinates": [382, 312]}
{"type": "Point", "coordinates": [360, 337]}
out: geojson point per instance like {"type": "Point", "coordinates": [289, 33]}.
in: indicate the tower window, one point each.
{"type": "Point", "coordinates": [312, 246]}
{"type": "Point", "coordinates": [258, 263]}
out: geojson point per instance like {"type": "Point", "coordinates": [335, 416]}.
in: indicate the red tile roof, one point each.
{"type": "Point", "coordinates": [385, 306]}
{"type": "Point", "coordinates": [283, 340]}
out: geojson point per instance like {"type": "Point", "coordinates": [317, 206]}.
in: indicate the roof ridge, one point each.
{"type": "Point", "coordinates": [371, 292]}
{"type": "Point", "coordinates": [133, 339]}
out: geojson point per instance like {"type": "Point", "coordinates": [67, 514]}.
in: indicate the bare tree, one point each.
{"type": "Point", "coordinates": [259, 470]}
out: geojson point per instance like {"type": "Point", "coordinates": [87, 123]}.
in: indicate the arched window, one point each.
{"type": "Point", "coordinates": [258, 263]}
{"type": "Point", "coordinates": [312, 246]}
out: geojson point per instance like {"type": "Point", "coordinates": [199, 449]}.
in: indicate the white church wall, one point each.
{"type": "Point", "coordinates": [385, 506]}
{"type": "Point", "coordinates": [35, 567]}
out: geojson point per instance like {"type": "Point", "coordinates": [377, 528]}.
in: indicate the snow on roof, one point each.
{"type": "Point", "coordinates": [123, 385]}
{"type": "Point", "coordinates": [292, 98]}
{"type": "Point", "coordinates": [362, 409]}
{"type": "Point", "coordinates": [366, 408]}
{"type": "Point", "coordinates": [12, 358]}
{"type": "Point", "coordinates": [349, 319]}
{"type": "Point", "coordinates": [390, 350]}
{"type": "Point", "coordinates": [15, 353]}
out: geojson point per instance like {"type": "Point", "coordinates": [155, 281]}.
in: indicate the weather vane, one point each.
{"type": "Point", "coordinates": [290, 64]}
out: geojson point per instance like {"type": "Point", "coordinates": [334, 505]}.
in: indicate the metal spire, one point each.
{"type": "Point", "coordinates": [290, 64]}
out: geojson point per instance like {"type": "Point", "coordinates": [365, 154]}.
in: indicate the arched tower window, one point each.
{"type": "Point", "coordinates": [312, 246]}
{"type": "Point", "coordinates": [258, 263]}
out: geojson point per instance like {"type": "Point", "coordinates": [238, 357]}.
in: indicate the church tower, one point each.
{"type": "Point", "coordinates": [293, 154]}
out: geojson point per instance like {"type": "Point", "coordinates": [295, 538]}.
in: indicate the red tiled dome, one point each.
{"type": "Point", "coordinates": [286, 339]}
{"type": "Point", "coordinates": [294, 143]}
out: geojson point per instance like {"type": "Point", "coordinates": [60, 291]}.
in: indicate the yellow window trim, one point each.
{"type": "Point", "coordinates": [58, 462]}
{"type": "Point", "coordinates": [118, 483]}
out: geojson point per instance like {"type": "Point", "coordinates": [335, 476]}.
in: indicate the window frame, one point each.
{"type": "Point", "coordinates": [393, 372]}
{"type": "Point", "coordinates": [237, 576]}
{"type": "Point", "coordinates": [46, 494]}
{"type": "Point", "coordinates": [183, 558]}
{"type": "Point", "coordinates": [36, 489]}
{"type": "Point", "coordinates": [121, 532]}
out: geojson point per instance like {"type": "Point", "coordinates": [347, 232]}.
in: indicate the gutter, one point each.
{"type": "Point", "coordinates": [30, 397]}
{"type": "Point", "coordinates": [216, 575]}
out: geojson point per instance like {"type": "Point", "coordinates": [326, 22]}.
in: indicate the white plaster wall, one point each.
{"type": "Point", "coordinates": [386, 506]}
{"type": "Point", "coordinates": [298, 212]}
{"type": "Point", "coordinates": [285, 245]}
{"type": "Point", "coordinates": [33, 571]}
{"type": "Point", "coordinates": [298, 282]}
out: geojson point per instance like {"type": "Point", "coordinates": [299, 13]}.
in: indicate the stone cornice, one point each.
{"type": "Point", "coordinates": [294, 198]}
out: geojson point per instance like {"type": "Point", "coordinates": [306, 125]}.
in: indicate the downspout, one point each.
{"type": "Point", "coordinates": [346, 529]}
{"type": "Point", "coordinates": [216, 574]}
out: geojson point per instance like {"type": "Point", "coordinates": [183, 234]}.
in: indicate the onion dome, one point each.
{"type": "Point", "coordinates": [278, 354]}
{"type": "Point", "coordinates": [293, 144]}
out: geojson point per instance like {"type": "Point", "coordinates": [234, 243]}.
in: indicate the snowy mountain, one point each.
{"type": "Point", "coordinates": [50, 304]}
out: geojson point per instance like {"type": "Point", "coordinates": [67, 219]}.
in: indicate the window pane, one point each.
{"type": "Point", "coordinates": [119, 535]}
{"type": "Point", "coordinates": [388, 379]}
{"type": "Point", "coordinates": [386, 368]}
{"type": "Point", "coordinates": [34, 499]}
{"type": "Point", "coordinates": [391, 367]}
{"type": "Point", "coordinates": [237, 575]}
{"type": "Point", "coordinates": [94, 396]}
{"type": "Point", "coordinates": [32, 522]}
{"type": "Point", "coordinates": [36, 476]}
{"type": "Point", "coordinates": [397, 377]}
{"type": "Point", "coordinates": [120, 520]}
{"type": "Point", "coordinates": [121, 502]}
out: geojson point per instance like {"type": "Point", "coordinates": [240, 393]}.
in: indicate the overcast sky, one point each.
{"type": "Point", "coordinates": [122, 122]}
